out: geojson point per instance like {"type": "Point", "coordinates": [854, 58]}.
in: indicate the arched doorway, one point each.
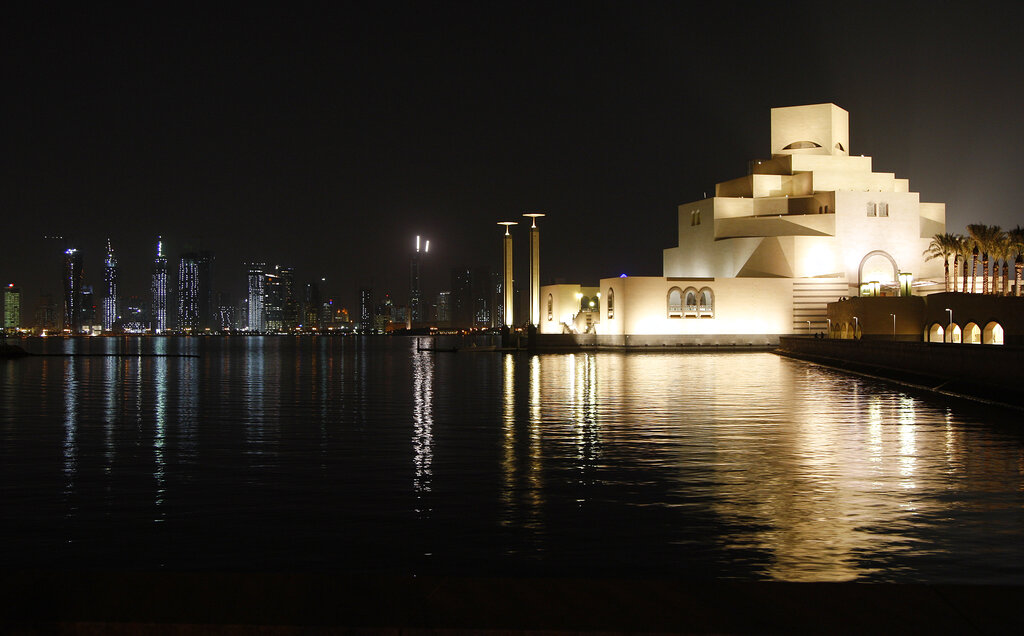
{"type": "Point", "coordinates": [972, 334]}
{"type": "Point", "coordinates": [878, 266]}
{"type": "Point", "coordinates": [993, 334]}
{"type": "Point", "coordinates": [936, 333]}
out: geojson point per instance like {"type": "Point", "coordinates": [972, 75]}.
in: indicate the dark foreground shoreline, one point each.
{"type": "Point", "coordinates": [266, 603]}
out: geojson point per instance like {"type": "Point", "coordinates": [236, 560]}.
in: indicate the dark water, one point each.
{"type": "Point", "coordinates": [281, 453]}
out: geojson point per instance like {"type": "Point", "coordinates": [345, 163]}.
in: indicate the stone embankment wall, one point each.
{"type": "Point", "coordinates": [711, 341]}
{"type": "Point", "coordinates": [986, 371]}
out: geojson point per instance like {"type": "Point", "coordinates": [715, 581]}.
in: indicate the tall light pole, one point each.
{"type": "Point", "coordinates": [949, 325]}
{"type": "Point", "coordinates": [534, 268]}
{"type": "Point", "coordinates": [893, 327]}
{"type": "Point", "coordinates": [506, 284]}
{"type": "Point", "coordinates": [856, 326]}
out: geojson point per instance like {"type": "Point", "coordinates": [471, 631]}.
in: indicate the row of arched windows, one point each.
{"type": "Point", "coordinates": [691, 303]}
{"type": "Point", "coordinates": [682, 303]}
{"type": "Point", "coordinates": [972, 333]}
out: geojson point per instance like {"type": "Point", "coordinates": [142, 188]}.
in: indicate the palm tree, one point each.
{"type": "Point", "coordinates": [1016, 237]}
{"type": "Point", "coordinates": [1001, 255]}
{"type": "Point", "coordinates": [942, 246]}
{"type": "Point", "coordinates": [984, 237]}
{"type": "Point", "coordinates": [962, 251]}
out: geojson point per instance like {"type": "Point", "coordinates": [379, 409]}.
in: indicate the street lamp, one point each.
{"type": "Point", "coordinates": [828, 327]}
{"type": "Point", "coordinates": [893, 327]}
{"type": "Point", "coordinates": [856, 326]}
{"type": "Point", "coordinates": [808, 327]}
{"type": "Point", "coordinates": [949, 325]}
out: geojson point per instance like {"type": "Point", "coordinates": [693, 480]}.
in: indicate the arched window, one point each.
{"type": "Point", "coordinates": [800, 145]}
{"type": "Point", "coordinates": [551, 303]}
{"type": "Point", "coordinates": [972, 334]}
{"type": "Point", "coordinates": [611, 303]}
{"type": "Point", "coordinates": [993, 334]}
{"type": "Point", "coordinates": [675, 303]}
{"type": "Point", "coordinates": [706, 303]}
{"type": "Point", "coordinates": [936, 333]}
{"type": "Point", "coordinates": [953, 333]}
{"type": "Point", "coordinates": [585, 303]}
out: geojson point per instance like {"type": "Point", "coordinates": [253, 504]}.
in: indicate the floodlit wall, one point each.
{"type": "Point", "coordinates": [558, 306]}
{"type": "Point", "coordinates": [825, 125]}
{"type": "Point", "coordinates": [898, 234]}
{"type": "Point", "coordinates": [740, 306]}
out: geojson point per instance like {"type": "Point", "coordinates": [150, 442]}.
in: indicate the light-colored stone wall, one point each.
{"type": "Point", "coordinates": [741, 306]}
{"type": "Point", "coordinates": [823, 124]}
{"type": "Point", "coordinates": [564, 305]}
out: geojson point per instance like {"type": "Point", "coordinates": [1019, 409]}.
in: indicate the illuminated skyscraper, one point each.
{"type": "Point", "coordinates": [273, 301]}
{"type": "Point", "coordinates": [366, 310]}
{"type": "Point", "coordinates": [208, 308]}
{"type": "Point", "coordinates": [311, 306]}
{"type": "Point", "coordinates": [12, 307]}
{"type": "Point", "coordinates": [460, 305]}
{"type": "Point", "coordinates": [255, 313]}
{"type": "Point", "coordinates": [73, 290]}
{"type": "Point", "coordinates": [415, 300]}
{"type": "Point", "coordinates": [188, 292]}
{"type": "Point", "coordinates": [110, 298]}
{"type": "Point", "coordinates": [159, 289]}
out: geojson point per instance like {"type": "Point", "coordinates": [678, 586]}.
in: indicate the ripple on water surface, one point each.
{"type": "Point", "coordinates": [364, 454]}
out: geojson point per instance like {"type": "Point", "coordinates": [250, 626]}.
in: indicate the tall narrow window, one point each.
{"type": "Point", "coordinates": [675, 303]}
{"type": "Point", "coordinates": [551, 303]}
{"type": "Point", "coordinates": [883, 209]}
{"type": "Point", "coordinates": [611, 303]}
{"type": "Point", "coordinates": [706, 303]}
{"type": "Point", "coordinates": [872, 211]}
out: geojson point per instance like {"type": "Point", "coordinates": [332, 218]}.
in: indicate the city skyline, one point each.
{"type": "Point", "coordinates": [324, 146]}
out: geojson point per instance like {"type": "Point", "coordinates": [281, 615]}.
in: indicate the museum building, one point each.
{"type": "Point", "coordinates": [767, 253]}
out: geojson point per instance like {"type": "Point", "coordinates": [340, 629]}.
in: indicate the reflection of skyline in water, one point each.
{"type": "Point", "coordinates": [741, 465]}
{"type": "Point", "coordinates": [423, 425]}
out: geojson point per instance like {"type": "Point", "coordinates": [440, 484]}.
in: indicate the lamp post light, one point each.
{"type": "Point", "coordinates": [808, 327]}
{"type": "Point", "coordinates": [949, 326]}
{"type": "Point", "coordinates": [856, 326]}
{"type": "Point", "coordinates": [534, 268]}
{"type": "Point", "coordinates": [507, 279]}
{"type": "Point", "coordinates": [828, 327]}
{"type": "Point", "coordinates": [893, 327]}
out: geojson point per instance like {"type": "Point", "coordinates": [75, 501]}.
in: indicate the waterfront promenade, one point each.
{"type": "Point", "coordinates": [987, 372]}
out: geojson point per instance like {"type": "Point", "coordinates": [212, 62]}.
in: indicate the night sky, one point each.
{"type": "Point", "coordinates": [326, 140]}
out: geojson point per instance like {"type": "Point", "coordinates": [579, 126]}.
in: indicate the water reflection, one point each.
{"type": "Point", "coordinates": [744, 466]}
{"type": "Point", "coordinates": [160, 424]}
{"type": "Point", "coordinates": [70, 424]}
{"type": "Point", "coordinates": [423, 426]}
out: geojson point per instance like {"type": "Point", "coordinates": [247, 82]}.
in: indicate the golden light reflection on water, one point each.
{"type": "Point", "coordinates": [802, 472]}
{"type": "Point", "coordinates": [791, 471]}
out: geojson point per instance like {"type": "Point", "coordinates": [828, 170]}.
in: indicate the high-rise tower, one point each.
{"type": "Point", "coordinates": [256, 315]}
{"type": "Point", "coordinates": [159, 289]}
{"type": "Point", "coordinates": [12, 307]}
{"type": "Point", "coordinates": [415, 298]}
{"type": "Point", "coordinates": [73, 290]}
{"type": "Point", "coordinates": [110, 298]}
{"type": "Point", "coordinates": [188, 292]}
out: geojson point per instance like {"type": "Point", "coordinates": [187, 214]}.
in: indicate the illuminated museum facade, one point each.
{"type": "Point", "coordinates": [766, 254]}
